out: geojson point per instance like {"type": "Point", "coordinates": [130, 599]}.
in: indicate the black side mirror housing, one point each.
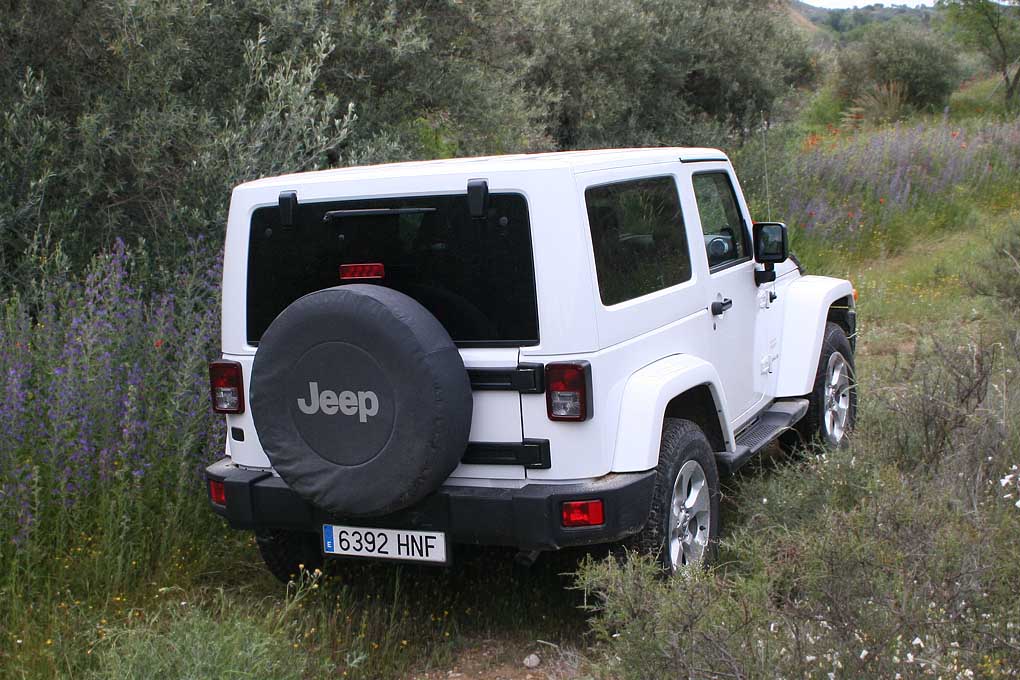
{"type": "Point", "coordinates": [771, 244]}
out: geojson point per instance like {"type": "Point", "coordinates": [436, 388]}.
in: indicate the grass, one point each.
{"type": "Point", "coordinates": [979, 98]}
{"type": "Point", "coordinates": [125, 573]}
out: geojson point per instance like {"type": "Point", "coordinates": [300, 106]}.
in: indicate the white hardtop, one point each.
{"type": "Point", "coordinates": [576, 161]}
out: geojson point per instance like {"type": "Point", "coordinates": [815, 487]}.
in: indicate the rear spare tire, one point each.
{"type": "Point", "coordinates": [360, 399]}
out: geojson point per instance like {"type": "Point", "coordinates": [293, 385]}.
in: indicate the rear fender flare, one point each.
{"type": "Point", "coordinates": [645, 398]}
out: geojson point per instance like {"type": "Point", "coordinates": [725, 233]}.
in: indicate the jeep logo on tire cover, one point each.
{"type": "Point", "coordinates": [364, 404]}
{"type": "Point", "coordinates": [341, 402]}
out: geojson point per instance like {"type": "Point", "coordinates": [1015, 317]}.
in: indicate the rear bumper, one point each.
{"type": "Point", "coordinates": [528, 518]}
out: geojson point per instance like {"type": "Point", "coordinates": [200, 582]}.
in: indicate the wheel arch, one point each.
{"type": "Point", "coordinates": [810, 303]}
{"type": "Point", "coordinates": [679, 386]}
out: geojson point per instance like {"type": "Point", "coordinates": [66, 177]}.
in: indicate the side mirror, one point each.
{"type": "Point", "coordinates": [770, 243]}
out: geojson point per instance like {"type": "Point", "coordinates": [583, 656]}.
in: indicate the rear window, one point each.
{"type": "Point", "coordinates": [475, 275]}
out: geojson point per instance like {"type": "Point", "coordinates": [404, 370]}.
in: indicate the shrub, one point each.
{"type": "Point", "coordinates": [998, 277]}
{"type": "Point", "coordinates": [899, 52]}
{"type": "Point", "coordinates": [863, 562]}
{"type": "Point", "coordinates": [658, 72]}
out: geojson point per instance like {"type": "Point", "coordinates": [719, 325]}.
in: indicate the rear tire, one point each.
{"type": "Point", "coordinates": [683, 523]}
{"type": "Point", "coordinates": [832, 408]}
{"type": "Point", "coordinates": [287, 552]}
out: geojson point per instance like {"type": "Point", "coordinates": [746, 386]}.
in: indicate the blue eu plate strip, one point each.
{"type": "Point", "coordinates": [327, 538]}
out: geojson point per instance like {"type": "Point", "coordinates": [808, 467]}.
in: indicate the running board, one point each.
{"type": "Point", "coordinates": [772, 422]}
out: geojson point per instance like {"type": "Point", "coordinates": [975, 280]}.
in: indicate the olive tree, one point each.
{"type": "Point", "coordinates": [642, 72]}
{"type": "Point", "coordinates": [993, 28]}
{"type": "Point", "coordinates": [903, 53]}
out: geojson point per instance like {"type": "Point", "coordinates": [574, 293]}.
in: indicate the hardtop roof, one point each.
{"type": "Point", "coordinates": [575, 161]}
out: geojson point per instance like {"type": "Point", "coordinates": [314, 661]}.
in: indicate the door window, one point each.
{"type": "Point", "coordinates": [721, 221]}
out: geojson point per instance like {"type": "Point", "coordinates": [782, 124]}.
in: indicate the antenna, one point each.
{"type": "Point", "coordinates": [765, 152]}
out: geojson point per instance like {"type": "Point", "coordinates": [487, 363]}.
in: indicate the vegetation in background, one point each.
{"type": "Point", "coordinates": [911, 56]}
{"type": "Point", "coordinates": [992, 28]}
{"type": "Point", "coordinates": [134, 118]}
{"type": "Point", "coordinates": [123, 128]}
{"type": "Point", "coordinates": [655, 72]}
{"type": "Point", "coordinates": [843, 21]}
{"type": "Point", "coordinates": [876, 193]}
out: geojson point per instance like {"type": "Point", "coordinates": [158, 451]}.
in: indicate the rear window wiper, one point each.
{"type": "Point", "coordinates": [374, 212]}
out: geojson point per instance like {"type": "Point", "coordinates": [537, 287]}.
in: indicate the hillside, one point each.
{"type": "Point", "coordinates": [846, 20]}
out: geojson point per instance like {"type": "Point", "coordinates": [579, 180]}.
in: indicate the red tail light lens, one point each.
{"type": "Point", "coordinates": [374, 270]}
{"type": "Point", "coordinates": [226, 385]}
{"type": "Point", "coordinates": [583, 513]}
{"type": "Point", "coordinates": [568, 391]}
{"type": "Point", "coordinates": [217, 492]}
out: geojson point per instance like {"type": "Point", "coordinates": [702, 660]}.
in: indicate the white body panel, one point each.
{"type": "Point", "coordinates": [646, 395]}
{"type": "Point", "coordinates": [642, 352]}
{"type": "Point", "coordinates": [806, 302]}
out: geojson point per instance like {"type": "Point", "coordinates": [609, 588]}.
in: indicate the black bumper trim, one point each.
{"type": "Point", "coordinates": [528, 518]}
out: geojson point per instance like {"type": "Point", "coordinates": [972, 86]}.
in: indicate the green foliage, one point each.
{"type": "Point", "coordinates": [999, 276]}
{"type": "Point", "coordinates": [897, 52]}
{"type": "Point", "coordinates": [654, 72]}
{"type": "Point", "coordinates": [992, 28]}
{"type": "Point", "coordinates": [883, 103]}
{"type": "Point", "coordinates": [851, 20]}
{"type": "Point", "coordinates": [891, 557]}
{"type": "Point", "coordinates": [142, 127]}
{"type": "Point", "coordinates": [823, 108]}
{"type": "Point", "coordinates": [216, 641]}
{"type": "Point", "coordinates": [134, 118]}
{"type": "Point", "coordinates": [980, 98]}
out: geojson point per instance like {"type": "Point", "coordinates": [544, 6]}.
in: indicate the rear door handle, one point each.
{"type": "Point", "coordinates": [720, 306]}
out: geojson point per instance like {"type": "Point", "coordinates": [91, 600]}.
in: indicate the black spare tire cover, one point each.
{"type": "Point", "coordinates": [360, 399]}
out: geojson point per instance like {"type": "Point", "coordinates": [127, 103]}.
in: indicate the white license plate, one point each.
{"type": "Point", "coordinates": [390, 544]}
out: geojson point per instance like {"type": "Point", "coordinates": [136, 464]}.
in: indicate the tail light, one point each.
{"type": "Point", "coordinates": [583, 513]}
{"type": "Point", "coordinates": [226, 386]}
{"type": "Point", "coordinates": [353, 272]}
{"type": "Point", "coordinates": [568, 391]}
{"type": "Point", "coordinates": [217, 492]}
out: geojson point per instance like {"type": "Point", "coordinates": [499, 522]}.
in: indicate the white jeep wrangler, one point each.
{"type": "Point", "coordinates": [535, 351]}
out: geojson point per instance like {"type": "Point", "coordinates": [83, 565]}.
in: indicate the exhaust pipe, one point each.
{"type": "Point", "coordinates": [526, 558]}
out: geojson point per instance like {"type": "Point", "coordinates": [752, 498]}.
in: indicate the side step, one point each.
{"type": "Point", "coordinates": [772, 422]}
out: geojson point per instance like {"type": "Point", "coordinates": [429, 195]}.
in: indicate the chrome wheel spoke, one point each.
{"type": "Point", "coordinates": [690, 515]}
{"type": "Point", "coordinates": [697, 502]}
{"type": "Point", "coordinates": [837, 399]}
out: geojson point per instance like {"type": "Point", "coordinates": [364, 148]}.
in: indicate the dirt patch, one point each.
{"type": "Point", "coordinates": [503, 660]}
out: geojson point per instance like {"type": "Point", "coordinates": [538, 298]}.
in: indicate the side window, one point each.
{"type": "Point", "coordinates": [725, 232]}
{"type": "Point", "coordinates": [637, 232]}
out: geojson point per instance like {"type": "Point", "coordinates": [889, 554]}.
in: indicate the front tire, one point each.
{"type": "Point", "coordinates": [832, 408]}
{"type": "Point", "coordinates": [683, 523]}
